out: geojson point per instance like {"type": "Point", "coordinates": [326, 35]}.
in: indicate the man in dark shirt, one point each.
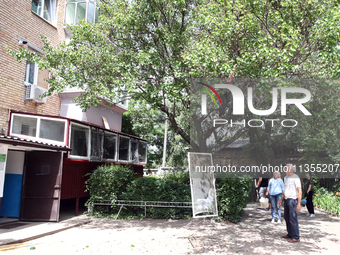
{"type": "Point", "coordinates": [262, 185]}
{"type": "Point", "coordinates": [309, 195]}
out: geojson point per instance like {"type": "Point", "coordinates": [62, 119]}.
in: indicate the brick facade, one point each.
{"type": "Point", "coordinates": [17, 20]}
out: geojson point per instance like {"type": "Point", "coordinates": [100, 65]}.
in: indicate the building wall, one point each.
{"type": "Point", "coordinates": [70, 109]}
{"type": "Point", "coordinates": [17, 20]}
{"type": "Point", "coordinates": [73, 178]}
{"type": "Point", "coordinates": [114, 119]}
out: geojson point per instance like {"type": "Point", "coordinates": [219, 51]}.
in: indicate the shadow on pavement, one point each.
{"type": "Point", "coordinates": [254, 234]}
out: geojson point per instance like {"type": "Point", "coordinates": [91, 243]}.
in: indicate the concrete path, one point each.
{"type": "Point", "coordinates": [21, 231]}
{"type": "Point", "coordinates": [253, 235]}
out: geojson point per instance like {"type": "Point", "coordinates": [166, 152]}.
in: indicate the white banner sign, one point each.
{"type": "Point", "coordinates": [202, 184]}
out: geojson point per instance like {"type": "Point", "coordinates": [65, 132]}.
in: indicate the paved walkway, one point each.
{"type": "Point", "coordinates": [21, 231]}
{"type": "Point", "coordinates": [253, 235]}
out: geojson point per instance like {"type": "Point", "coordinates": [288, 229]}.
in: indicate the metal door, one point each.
{"type": "Point", "coordinates": [41, 186]}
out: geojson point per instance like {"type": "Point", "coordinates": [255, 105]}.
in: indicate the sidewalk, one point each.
{"type": "Point", "coordinates": [255, 234]}
{"type": "Point", "coordinates": [21, 231]}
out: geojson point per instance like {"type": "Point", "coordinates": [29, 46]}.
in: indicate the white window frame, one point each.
{"type": "Point", "coordinates": [54, 6]}
{"type": "Point", "coordinates": [146, 152]}
{"type": "Point", "coordinates": [129, 150]}
{"type": "Point", "coordinates": [75, 9]}
{"type": "Point", "coordinates": [88, 142]}
{"type": "Point", "coordinates": [35, 78]}
{"type": "Point", "coordinates": [36, 137]}
{"type": "Point", "coordinates": [116, 147]}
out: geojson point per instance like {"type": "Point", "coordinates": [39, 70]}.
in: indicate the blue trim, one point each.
{"type": "Point", "coordinates": [10, 202]}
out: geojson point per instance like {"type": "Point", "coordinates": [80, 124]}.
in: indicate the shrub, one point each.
{"type": "Point", "coordinates": [180, 177]}
{"type": "Point", "coordinates": [109, 181]}
{"type": "Point", "coordinates": [159, 189]}
{"type": "Point", "coordinates": [327, 200]}
{"type": "Point", "coordinates": [232, 197]}
{"type": "Point", "coordinates": [336, 186]}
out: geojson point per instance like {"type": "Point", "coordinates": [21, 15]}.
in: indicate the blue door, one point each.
{"type": "Point", "coordinates": [10, 202]}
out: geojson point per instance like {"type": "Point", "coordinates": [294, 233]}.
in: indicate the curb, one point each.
{"type": "Point", "coordinates": [46, 234]}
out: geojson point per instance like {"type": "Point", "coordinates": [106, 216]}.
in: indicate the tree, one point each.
{"type": "Point", "coordinates": [151, 49]}
{"type": "Point", "coordinates": [143, 121]}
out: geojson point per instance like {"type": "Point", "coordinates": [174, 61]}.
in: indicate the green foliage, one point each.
{"type": "Point", "coordinates": [148, 124]}
{"type": "Point", "coordinates": [327, 200]}
{"type": "Point", "coordinates": [159, 189]}
{"type": "Point", "coordinates": [316, 184]}
{"type": "Point", "coordinates": [176, 152]}
{"type": "Point", "coordinates": [128, 124]}
{"type": "Point", "coordinates": [109, 181]}
{"type": "Point", "coordinates": [114, 181]}
{"type": "Point", "coordinates": [150, 50]}
{"type": "Point", "coordinates": [267, 38]}
{"type": "Point", "coordinates": [177, 176]}
{"type": "Point", "coordinates": [144, 121]}
{"type": "Point", "coordinates": [336, 186]}
{"type": "Point", "coordinates": [232, 197]}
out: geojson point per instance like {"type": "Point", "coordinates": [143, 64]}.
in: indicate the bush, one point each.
{"type": "Point", "coordinates": [159, 189]}
{"type": "Point", "coordinates": [180, 177]}
{"type": "Point", "coordinates": [232, 197]}
{"type": "Point", "coordinates": [336, 186]}
{"type": "Point", "coordinates": [109, 181]}
{"type": "Point", "coordinates": [327, 200]}
{"type": "Point", "coordinates": [112, 182]}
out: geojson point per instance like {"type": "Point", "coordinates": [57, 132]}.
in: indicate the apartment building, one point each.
{"type": "Point", "coordinates": [48, 144]}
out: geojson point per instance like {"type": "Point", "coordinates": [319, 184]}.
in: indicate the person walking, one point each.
{"type": "Point", "coordinates": [292, 199]}
{"type": "Point", "coordinates": [275, 191]}
{"type": "Point", "coordinates": [262, 185]}
{"type": "Point", "coordinates": [309, 195]}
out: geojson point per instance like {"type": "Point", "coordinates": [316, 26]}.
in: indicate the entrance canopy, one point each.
{"type": "Point", "coordinates": [15, 143]}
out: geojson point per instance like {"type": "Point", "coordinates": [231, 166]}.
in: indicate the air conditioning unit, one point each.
{"type": "Point", "coordinates": [34, 92]}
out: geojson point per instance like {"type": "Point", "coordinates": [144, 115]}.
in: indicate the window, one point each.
{"type": "Point", "coordinates": [134, 151]}
{"type": "Point", "coordinates": [96, 144]}
{"type": "Point", "coordinates": [142, 152]}
{"type": "Point", "coordinates": [31, 75]}
{"type": "Point", "coordinates": [24, 126]}
{"type": "Point", "coordinates": [79, 141]}
{"type": "Point", "coordinates": [110, 146]}
{"type": "Point", "coordinates": [77, 10]}
{"type": "Point", "coordinates": [45, 9]}
{"type": "Point", "coordinates": [33, 78]}
{"type": "Point", "coordinates": [39, 128]}
{"type": "Point", "coordinates": [124, 148]}
{"type": "Point", "coordinates": [52, 130]}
